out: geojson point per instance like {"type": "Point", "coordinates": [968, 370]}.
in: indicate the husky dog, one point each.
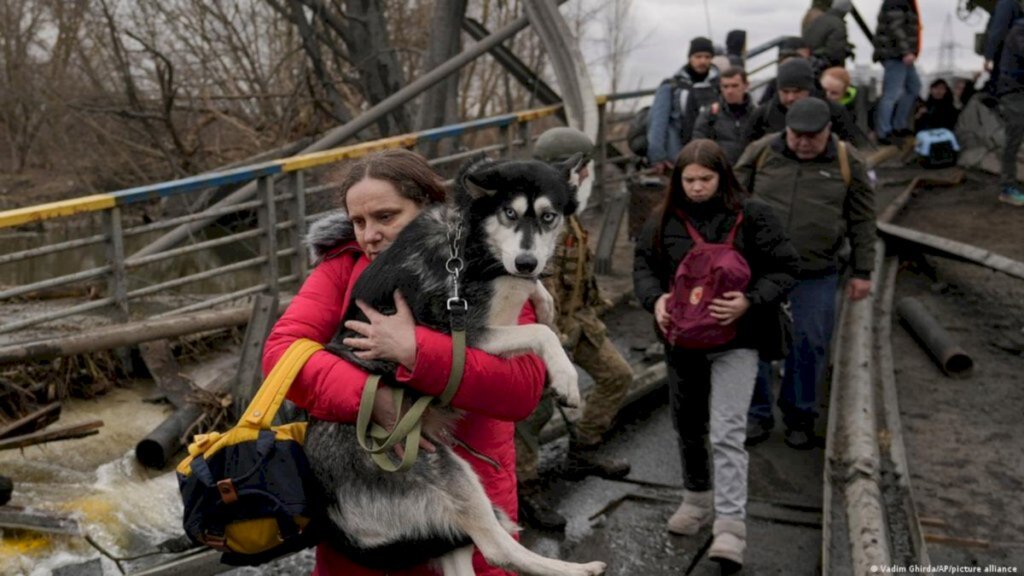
{"type": "Point", "coordinates": [510, 214]}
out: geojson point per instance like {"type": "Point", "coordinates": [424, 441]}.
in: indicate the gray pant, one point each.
{"type": "Point", "coordinates": [713, 391]}
{"type": "Point", "coordinates": [1012, 108]}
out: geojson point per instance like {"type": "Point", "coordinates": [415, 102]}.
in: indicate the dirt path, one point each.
{"type": "Point", "coordinates": [964, 437]}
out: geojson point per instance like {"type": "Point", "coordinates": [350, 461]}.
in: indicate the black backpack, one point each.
{"type": "Point", "coordinates": [636, 135]}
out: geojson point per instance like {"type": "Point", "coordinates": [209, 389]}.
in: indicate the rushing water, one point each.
{"type": "Point", "coordinates": [124, 507]}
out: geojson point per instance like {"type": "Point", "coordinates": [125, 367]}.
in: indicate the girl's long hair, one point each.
{"type": "Point", "coordinates": [708, 154]}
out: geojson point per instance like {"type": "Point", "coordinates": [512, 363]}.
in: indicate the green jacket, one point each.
{"type": "Point", "coordinates": [816, 207]}
{"type": "Point", "coordinates": [573, 286]}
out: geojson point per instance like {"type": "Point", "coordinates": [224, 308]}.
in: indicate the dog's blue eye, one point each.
{"type": "Point", "coordinates": [549, 217]}
{"type": "Point", "coordinates": [511, 214]}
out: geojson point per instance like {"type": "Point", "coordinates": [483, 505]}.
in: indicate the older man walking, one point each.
{"type": "Point", "coordinates": [819, 189]}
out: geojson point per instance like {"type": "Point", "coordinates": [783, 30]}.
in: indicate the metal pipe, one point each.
{"type": "Point", "coordinates": [950, 357]}
{"type": "Point", "coordinates": [51, 248]}
{"type": "Point", "coordinates": [229, 239]}
{"type": "Point", "coordinates": [167, 438]}
{"type": "Point", "coordinates": [350, 129]}
{"type": "Point", "coordinates": [62, 313]}
{"type": "Point", "coordinates": [155, 226]}
{"type": "Point", "coordinates": [55, 282]}
{"type": "Point", "coordinates": [211, 302]}
{"type": "Point", "coordinates": [200, 276]}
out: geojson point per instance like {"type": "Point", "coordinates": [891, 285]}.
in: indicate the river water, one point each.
{"type": "Point", "coordinates": [124, 507]}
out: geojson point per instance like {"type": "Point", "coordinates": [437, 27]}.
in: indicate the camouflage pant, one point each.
{"type": "Point", "coordinates": [612, 377]}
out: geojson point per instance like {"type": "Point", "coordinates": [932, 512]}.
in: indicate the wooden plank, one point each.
{"type": "Point", "coordinates": [898, 203]}
{"type": "Point", "coordinates": [33, 421]}
{"type": "Point", "coordinates": [65, 433]}
{"type": "Point", "coordinates": [264, 313]}
{"type": "Point", "coordinates": [127, 334]}
{"type": "Point", "coordinates": [18, 518]}
{"type": "Point", "coordinates": [164, 369]}
{"type": "Point", "coordinates": [952, 249]}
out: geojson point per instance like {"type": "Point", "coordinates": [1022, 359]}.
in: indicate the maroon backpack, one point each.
{"type": "Point", "coordinates": [707, 272]}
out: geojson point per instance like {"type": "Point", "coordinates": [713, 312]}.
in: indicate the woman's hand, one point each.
{"type": "Point", "coordinates": [385, 337]}
{"type": "Point", "coordinates": [729, 307]}
{"type": "Point", "coordinates": [661, 315]}
{"type": "Point", "coordinates": [384, 415]}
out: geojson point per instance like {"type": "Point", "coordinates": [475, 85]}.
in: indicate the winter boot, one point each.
{"type": "Point", "coordinates": [584, 460]}
{"type": "Point", "coordinates": [535, 510]}
{"type": "Point", "coordinates": [730, 541]}
{"type": "Point", "coordinates": [693, 514]}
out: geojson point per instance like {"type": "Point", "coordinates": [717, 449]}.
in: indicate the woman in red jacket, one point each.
{"type": "Point", "coordinates": [379, 195]}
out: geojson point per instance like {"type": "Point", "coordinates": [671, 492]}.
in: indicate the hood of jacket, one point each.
{"type": "Point", "coordinates": [328, 233]}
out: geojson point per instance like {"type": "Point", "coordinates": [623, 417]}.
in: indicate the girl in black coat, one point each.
{"type": "Point", "coordinates": [710, 390]}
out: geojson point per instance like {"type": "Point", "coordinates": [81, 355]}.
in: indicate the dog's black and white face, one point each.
{"type": "Point", "coordinates": [521, 206]}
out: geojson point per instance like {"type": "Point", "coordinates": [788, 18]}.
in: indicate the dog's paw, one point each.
{"type": "Point", "coordinates": [544, 305]}
{"type": "Point", "coordinates": [565, 383]}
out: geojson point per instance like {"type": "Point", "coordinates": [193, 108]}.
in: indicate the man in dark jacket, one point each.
{"type": "Point", "coordinates": [1011, 104]}
{"type": "Point", "coordinates": [800, 173]}
{"type": "Point", "coordinates": [897, 44]}
{"type": "Point", "coordinates": [678, 102]}
{"type": "Point", "coordinates": [795, 82]}
{"type": "Point", "coordinates": [725, 121]}
{"type": "Point", "coordinates": [826, 35]}
{"type": "Point", "coordinates": [999, 25]}
{"type": "Point", "coordinates": [791, 47]}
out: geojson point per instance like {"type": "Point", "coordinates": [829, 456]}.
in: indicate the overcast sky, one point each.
{"type": "Point", "coordinates": [666, 27]}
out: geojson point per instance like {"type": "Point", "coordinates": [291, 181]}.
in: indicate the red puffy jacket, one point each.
{"type": "Point", "coordinates": [495, 392]}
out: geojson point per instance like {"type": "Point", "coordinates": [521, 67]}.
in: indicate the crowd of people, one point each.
{"type": "Point", "coordinates": [776, 190]}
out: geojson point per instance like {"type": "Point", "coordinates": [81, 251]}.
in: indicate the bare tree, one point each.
{"type": "Point", "coordinates": [438, 105]}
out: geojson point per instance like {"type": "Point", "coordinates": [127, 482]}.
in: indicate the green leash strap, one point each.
{"type": "Point", "coordinates": [377, 440]}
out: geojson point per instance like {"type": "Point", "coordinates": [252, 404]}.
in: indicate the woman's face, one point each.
{"type": "Point", "coordinates": [378, 213]}
{"type": "Point", "coordinates": [938, 91]}
{"type": "Point", "coordinates": [699, 183]}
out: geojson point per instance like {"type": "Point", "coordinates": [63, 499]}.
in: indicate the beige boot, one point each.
{"type": "Point", "coordinates": [730, 540]}
{"type": "Point", "coordinates": [694, 513]}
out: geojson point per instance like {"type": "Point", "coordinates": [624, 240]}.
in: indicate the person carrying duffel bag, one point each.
{"type": "Point", "coordinates": [248, 492]}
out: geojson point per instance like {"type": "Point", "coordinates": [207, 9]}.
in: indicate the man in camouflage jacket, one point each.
{"type": "Point", "coordinates": [578, 306]}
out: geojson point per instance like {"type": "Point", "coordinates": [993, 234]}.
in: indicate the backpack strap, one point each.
{"type": "Point", "coordinates": [697, 238]}
{"type": "Point", "coordinates": [261, 411]}
{"type": "Point", "coordinates": [844, 163]}
{"type": "Point", "coordinates": [735, 229]}
{"type": "Point", "coordinates": [762, 158]}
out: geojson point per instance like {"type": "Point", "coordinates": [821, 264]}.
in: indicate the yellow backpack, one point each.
{"type": "Point", "coordinates": [248, 491]}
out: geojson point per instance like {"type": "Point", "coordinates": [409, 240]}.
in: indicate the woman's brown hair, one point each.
{"type": "Point", "coordinates": [708, 154]}
{"type": "Point", "coordinates": [406, 170]}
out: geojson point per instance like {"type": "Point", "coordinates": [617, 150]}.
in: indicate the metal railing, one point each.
{"type": "Point", "coordinates": [267, 258]}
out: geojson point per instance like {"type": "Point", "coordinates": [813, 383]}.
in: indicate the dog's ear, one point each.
{"type": "Point", "coordinates": [572, 167]}
{"type": "Point", "coordinates": [475, 184]}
